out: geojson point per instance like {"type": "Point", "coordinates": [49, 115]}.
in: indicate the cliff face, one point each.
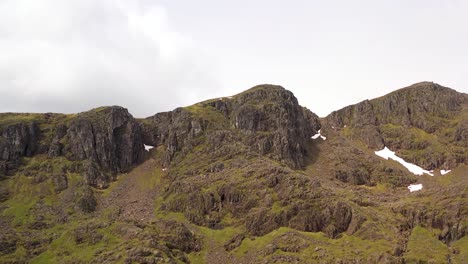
{"type": "Point", "coordinates": [275, 123]}
{"type": "Point", "coordinates": [423, 122]}
{"type": "Point", "coordinates": [238, 179]}
{"type": "Point", "coordinates": [266, 118]}
{"type": "Point", "coordinates": [16, 141]}
{"type": "Point", "coordinates": [409, 106]}
{"type": "Point", "coordinates": [109, 139]}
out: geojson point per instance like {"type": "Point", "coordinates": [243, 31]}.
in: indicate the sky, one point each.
{"type": "Point", "coordinates": [152, 56]}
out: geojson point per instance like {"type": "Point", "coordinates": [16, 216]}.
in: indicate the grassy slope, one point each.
{"type": "Point", "coordinates": [367, 244]}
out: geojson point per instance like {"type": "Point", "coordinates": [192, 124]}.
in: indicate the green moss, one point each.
{"type": "Point", "coordinates": [210, 236]}
{"type": "Point", "coordinates": [149, 180]}
{"type": "Point", "coordinates": [220, 236]}
{"type": "Point", "coordinates": [19, 210]}
{"type": "Point", "coordinates": [461, 249]}
{"type": "Point", "coordinates": [19, 256]}
{"type": "Point", "coordinates": [215, 118]}
{"type": "Point", "coordinates": [276, 207]}
{"type": "Point", "coordinates": [47, 123]}
{"type": "Point", "coordinates": [175, 216]}
{"type": "Point", "coordinates": [7, 119]}
{"type": "Point", "coordinates": [24, 196]}
{"type": "Point", "coordinates": [257, 243]}
{"type": "Point", "coordinates": [64, 249]}
{"type": "Point", "coordinates": [319, 246]}
{"type": "Point", "coordinates": [424, 247]}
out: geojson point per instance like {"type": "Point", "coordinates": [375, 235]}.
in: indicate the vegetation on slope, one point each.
{"type": "Point", "coordinates": [232, 180]}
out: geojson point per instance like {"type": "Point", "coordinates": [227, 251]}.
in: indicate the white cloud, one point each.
{"type": "Point", "coordinates": [69, 56]}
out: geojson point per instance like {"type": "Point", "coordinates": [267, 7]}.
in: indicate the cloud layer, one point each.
{"type": "Point", "coordinates": [70, 56]}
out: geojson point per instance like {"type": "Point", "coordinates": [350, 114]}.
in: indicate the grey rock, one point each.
{"type": "Point", "coordinates": [86, 201]}
{"type": "Point", "coordinates": [60, 182]}
{"type": "Point", "coordinates": [16, 141]}
{"type": "Point", "coordinates": [56, 147]}
{"type": "Point", "coordinates": [110, 139]}
{"type": "Point", "coordinates": [269, 117]}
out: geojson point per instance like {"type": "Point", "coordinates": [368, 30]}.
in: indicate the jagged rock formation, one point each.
{"type": "Point", "coordinates": [424, 118]}
{"type": "Point", "coordinates": [269, 118]}
{"type": "Point", "coordinates": [409, 106]}
{"type": "Point", "coordinates": [17, 140]}
{"type": "Point", "coordinates": [238, 179]}
{"type": "Point", "coordinates": [109, 139]}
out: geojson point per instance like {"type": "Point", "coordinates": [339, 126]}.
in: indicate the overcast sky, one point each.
{"type": "Point", "coordinates": [152, 56]}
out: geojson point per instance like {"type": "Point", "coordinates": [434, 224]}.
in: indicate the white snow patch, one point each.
{"type": "Point", "coordinates": [164, 169]}
{"type": "Point", "coordinates": [415, 169]}
{"type": "Point", "coordinates": [415, 187]}
{"type": "Point", "coordinates": [147, 148]}
{"type": "Point", "coordinates": [318, 135]}
{"type": "Point", "coordinates": [443, 172]}
{"type": "Point", "coordinates": [229, 97]}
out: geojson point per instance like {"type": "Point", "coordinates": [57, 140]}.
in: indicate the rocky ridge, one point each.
{"type": "Point", "coordinates": [237, 179]}
{"type": "Point", "coordinates": [424, 118]}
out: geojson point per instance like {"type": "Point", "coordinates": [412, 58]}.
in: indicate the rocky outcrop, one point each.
{"type": "Point", "coordinates": [4, 193]}
{"type": "Point", "coordinates": [413, 118]}
{"type": "Point", "coordinates": [16, 141]}
{"type": "Point", "coordinates": [60, 182]}
{"type": "Point", "coordinates": [270, 120]}
{"type": "Point", "coordinates": [227, 170]}
{"type": "Point", "coordinates": [461, 133]}
{"type": "Point", "coordinates": [8, 243]}
{"type": "Point", "coordinates": [176, 130]}
{"type": "Point", "coordinates": [180, 237]}
{"type": "Point", "coordinates": [450, 225]}
{"type": "Point", "coordinates": [56, 146]}
{"type": "Point", "coordinates": [86, 201]}
{"type": "Point", "coordinates": [407, 107]}
{"type": "Point", "coordinates": [332, 219]}
{"type": "Point", "coordinates": [274, 123]}
{"type": "Point", "coordinates": [110, 137]}
{"type": "Point", "coordinates": [94, 176]}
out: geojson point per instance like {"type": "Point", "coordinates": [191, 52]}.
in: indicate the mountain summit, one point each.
{"type": "Point", "coordinates": [251, 178]}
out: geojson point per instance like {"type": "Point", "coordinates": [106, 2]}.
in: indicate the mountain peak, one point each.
{"type": "Point", "coordinates": [235, 168]}
{"type": "Point", "coordinates": [265, 93]}
{"type": "Point", "coordinates": [422, 112]}
{"type": "Point", "coordinates": [265, 87]}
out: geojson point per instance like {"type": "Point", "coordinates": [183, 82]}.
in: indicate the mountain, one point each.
{"type": "Point", "coordinates": [250, 178]}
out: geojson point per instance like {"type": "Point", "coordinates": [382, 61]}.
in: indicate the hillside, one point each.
{"type": "Point", "coordinates": [250, 178]}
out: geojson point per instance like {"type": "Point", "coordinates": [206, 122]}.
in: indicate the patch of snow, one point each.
{"type": "Point", "coordinates": [147, 148]}
{"type": "Point", "coordinates": [229, 97]}
{"type": "Point", "coordinates": [443, 172]}
{"type": "Point", "coordinates": [164, 169]}
{"type": "Point", "coordinates": [319, 135]}
{"type": "Point", "coordinates": [415, 169]}
{"type": "Point", "coordinates": [415, 187]}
